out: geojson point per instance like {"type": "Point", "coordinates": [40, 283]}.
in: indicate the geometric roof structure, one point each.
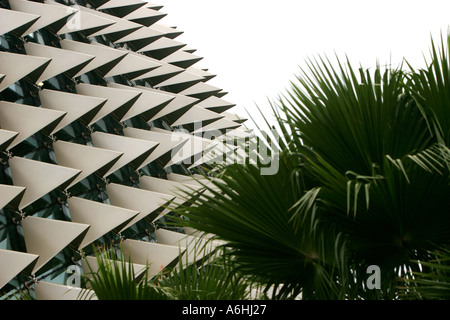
{"type": "Point", "coordinates": [103, 115]}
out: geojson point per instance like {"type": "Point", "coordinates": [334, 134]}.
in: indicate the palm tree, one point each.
{"type": "Point", "coordinates": [363, 182]}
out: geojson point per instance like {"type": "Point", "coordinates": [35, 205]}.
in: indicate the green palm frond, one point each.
{"type": "Point", "coordinates": [212, 277]}
{"type": "Point", "coordinates": [115, 279]}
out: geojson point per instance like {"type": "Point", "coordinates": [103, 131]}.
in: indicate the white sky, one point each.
{"type": "Point", "coordinates": [255, 47]}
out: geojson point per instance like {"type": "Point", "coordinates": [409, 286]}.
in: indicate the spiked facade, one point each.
{"type": "Point", "coordinates": [92, 94]}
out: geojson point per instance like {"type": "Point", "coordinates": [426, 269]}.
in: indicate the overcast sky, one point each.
{"type": "Point", "coordinates": [255, 47]}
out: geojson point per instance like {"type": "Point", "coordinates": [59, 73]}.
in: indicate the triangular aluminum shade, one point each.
{"type": "Point", "coordinates": [119, 29]}
{"type": "Point", "coordinates": [167, 141]}
{"type": "Point", "coordinates": [215, 104]}
{"type": "Point", "coordinates": [148, 104]}
{"type": "Point", "coordinates": [10, 195]}
{"type": "Point", "coordinates": [197, 247]}
{"type": "Point", "coordinates": [133, 65]}
{"type": "Point", "coordinates": [162, 47]}
{"type": "Point", "coordinates": [101, 217]}
{"type": "Point", "coordinates": [182, 59]}
{"type": "Point", "coordinates": [156, 256]}
{"type": "Point", "coordinates": [173, 188]}
{"type": "Point", "coordinates": [153, 6]}
{"type": "Point", "coordinates": [63, 61]}
{"type": "Point", "coordinates": [6, 137]}
{"type": "Point", "coordinates": [47, 237]}
{"type": "Point", "coordinates": [135, 151]}
{"type": "Point", "coordinates": [51, 291]}
{"type": "Point", "coordinates": [51, 16]}
{"type": "Point", "coordinates": [145, 16]}
{"type": "Point", "coordinates": [90, 266]}
{"type": "Point", "coordinates": [27, 120]}
{"type": "Point", "coordinates": [195, 179]}
{"type": "Point", "coordinates": [180, 82]}
{"type": "Point", "coordinates": [105, 57]}
{"type": "Point", "coordinates": [76, 106]}
{"type": "Point", "coordinates": [233, 117]}
{"type": "Point", "coordinates": [18, 66]}
{"type": "Point", "coordinates": [13, 262]}
{"type": "Point", "coordinates": [15, 22]}
{"type": "Point", "coordinates": [201, 91]}
{"type": "Point", "coordinates": [197, 115]}
{"type": "Point", "coordinates": [218, 154]}
{"type": "Point", "coordinates": [85, 158]}
{"type": "Point", "coordinates": [168, 32]}
{"type": "Point", "coordinates": [218, 127]}
{"type": "Point", "coordinates": [158, 75]}
{"type": "Point", "coordinates": [238, 133]}
{"type": "Point", "coordinates": [176, 108]}
{"type": "Point", "coordinates": [86, 22]}
{"type": "Point", "coordinates": [121, 8]}
{"type": "Point", "coordinates": [192, 150]}
{"type": "Point", "coordinates": [149, 204]}
{"type": "Point", "coordinates": [39, 178]}
{"type": "Point", "coordinates": [201, 73]}
{"type": "Point", "coordinates": [140, 37]}
{"type": "Point", "coordinates": [119, 100]}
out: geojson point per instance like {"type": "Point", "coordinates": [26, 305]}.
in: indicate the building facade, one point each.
{"type": "Point", "coordinates": [104, 118]}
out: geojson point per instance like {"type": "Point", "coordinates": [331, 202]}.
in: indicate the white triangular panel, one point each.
{"type": "Point", "coordinates": [182, 59]}
{"type": "Point", "coordinates": [168, 32]}
{"type": "Point", "coordinates": [18, 66]}
{"type": "Point", "coordinates": [27, 120]}
{"type": "Point", "coordinates": [10, 195]}
{"type": "Point", "coordinates": [145, 16]}
{"type": "Point", "coordinates": [50, 15]}
{"type": "Point", "coordinates": [167, 141]}
{"type": "Point", "coordinates": [148, 104]}
{"type": "Point", "coordinates": [101, 217]}
{"type": "Point", "coordinates": [172, 188]}
{"type": "Point", "coordinates": [39, 178]}
{"type": "Point", "coordinates": [133, 65]}
{"type": "Point", "coordinates": [201, 90]}
{"type": "Point", "coordinates": [215, 104]}
{"type": "Point", "coordinates": [47, 237]}
{"type": "Point", "coordinates": [76, 106]}
{"type": "Point", "coordinates": [13, 262]}
{"type": "Point", "coordinates": [85, 158]}
{"type": "Point", "coordinates": [200, 72]}
{"type": "Point", "coordinates": [111, 4]}
{"type": "Point", "coordinates": [197, 115]}
{"type": "Point", "coordinates": [85, 21]}
{"type": "Point", "coordinates": [90, 266]}
{"type": "Point", "coordinates": [166, 70]}
{"type": "Point", "coordinates": [52, 291]}
{"type": "Point", "coordinates": [135, 151]}
{"type": "Point", "coordinates": [162, 43]}
{"type": "Point", "coordinates": [197, 247]}
{"type": "Point", "coordinates": [192, 150]}
{"type": "Point", "coordinates": [181, 78]}
{"type": "Point", "coordinates": [140, 37]}
{"type": "Point", "coordinates": [6, 137]}
{"type": "Point", "coordinates": [119, 100]}
{"type": "Point", "coordinates": [217, 127]}
{"type": "Point", "coordinates": [105, 57]}
{"type": "Point", "coordinates": [177, 106]}
{"type": "Point", "coordinates": [63, 61]}
{"type": "Point", "coordinates": [120, 28]}
{"type": "Point", "coordinates": [147, 203]}
{"type": "Point", "coordinates": [156, 256]}
{"type": "Point", "coordinates": [15, 22]}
